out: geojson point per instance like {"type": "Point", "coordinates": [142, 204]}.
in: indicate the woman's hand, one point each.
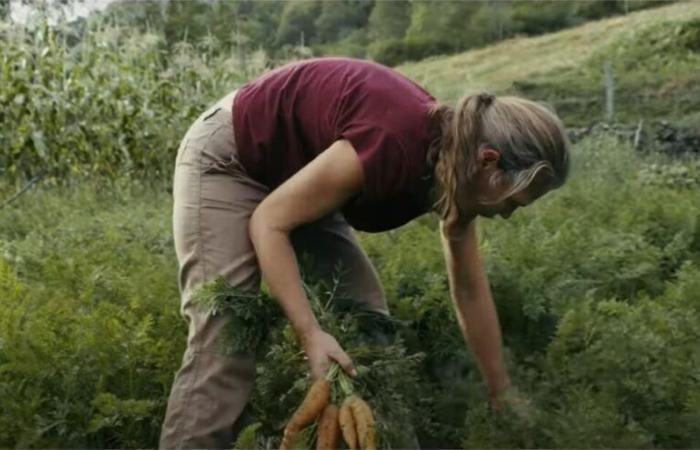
{"type": "Point", "coordinates": [322, 349]}
{"type": "Point", "coordinates": [511, 399]}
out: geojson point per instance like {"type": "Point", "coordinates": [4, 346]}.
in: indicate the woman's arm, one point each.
{"type": "Point", "coordinates": [474, 305]}
{"type": "Point", "coordinates": [316, 190]}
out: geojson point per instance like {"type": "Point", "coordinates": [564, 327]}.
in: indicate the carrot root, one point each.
{"type": "Point", "coordinates": [347, 425]}
{"type": "Point", "coordinates": [316, 399]}
{"type": "Point", "coordinates": [328, 429]}
{"type": "Point", "coordinates": [364, 422]}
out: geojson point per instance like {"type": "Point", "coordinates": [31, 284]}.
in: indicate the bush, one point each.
{"type": "Point", "coordinates": [393, 52]}
{"type": "Point", "coordinates": [90, 334]}
{"type": "Point", "coordinates": [534, 18]}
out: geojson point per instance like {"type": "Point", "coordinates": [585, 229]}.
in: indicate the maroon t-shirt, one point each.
{"type": "Point", "coordinates": [287, 117]}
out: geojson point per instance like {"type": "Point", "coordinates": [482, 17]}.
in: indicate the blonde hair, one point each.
{"type": "Point", "coordinates": [529, 137]}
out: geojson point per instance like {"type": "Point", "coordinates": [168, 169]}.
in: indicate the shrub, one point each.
{"type": "Point", "coordinates": [90, 334]}
{"type": "Point", "coordinates": [393, 52]}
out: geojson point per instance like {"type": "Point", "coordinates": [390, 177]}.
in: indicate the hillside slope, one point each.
{"type": "Point", "coordinates": [655, 55]}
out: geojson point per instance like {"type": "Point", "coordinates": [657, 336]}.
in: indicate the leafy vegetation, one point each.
{"type": "Point", "coordinates": [597, 285]}
{"type": "Point", "coordinates": [398, 30]}
{"type": "Point", "coordinates": [90, 330]}
{"type": "Point", "coordinates": [113, 104]}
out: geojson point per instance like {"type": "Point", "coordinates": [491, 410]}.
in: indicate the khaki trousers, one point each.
{"type": "Point", "coordinates": [213, 200]}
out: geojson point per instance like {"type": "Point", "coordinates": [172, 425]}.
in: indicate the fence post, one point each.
{"type": "Point", "coordinates": [638, 134]}
{"type": "Point", "coordinates": [609, 91]}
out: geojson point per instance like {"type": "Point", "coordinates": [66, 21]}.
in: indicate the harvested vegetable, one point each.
{"type": "Point", "coordinates": [311, 407]}
{"type": "Point", "coordinates": [347, 424]}
{"type": "Point", "coordinates": [364, 423]}
{"type": "Point", "coordinates": [280, 389]}
{"type": "Point", "coordinates": [316, 399]}
{"type": "Point", "coordinates": [328, 429]}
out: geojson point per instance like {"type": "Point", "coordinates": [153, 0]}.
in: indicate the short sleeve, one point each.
{"type": "Point", "coordinates": [383, 160]}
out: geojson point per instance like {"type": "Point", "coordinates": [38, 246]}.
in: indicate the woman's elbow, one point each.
{"type": "Point", "coordinates": [256, 226]}
{"type": "Point", "coordinates": [262, 225]}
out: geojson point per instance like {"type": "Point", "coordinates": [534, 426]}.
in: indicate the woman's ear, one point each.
{"type": "Point", "coordinates": [488, 157]}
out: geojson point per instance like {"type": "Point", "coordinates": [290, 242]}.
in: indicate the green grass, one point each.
{"type": "Point", "coordinates": [655, 55]}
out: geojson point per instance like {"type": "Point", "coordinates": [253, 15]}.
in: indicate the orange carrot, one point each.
{"type": "Point", "coordinates": [328, 429]}
{"type": "Point", "coordinates": [316, 399]}
{"type": "Point", "coordinates": [347, 424]}
{"type": "Point", "coordinates": [364, 422]}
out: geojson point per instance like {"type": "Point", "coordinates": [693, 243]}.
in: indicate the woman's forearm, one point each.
{"type": "Point", "coordinates": [478, 320]}
{"type": "Point", "coordinates": [474, 307]}
{"type": "Point", "coordinates": [280, 269]}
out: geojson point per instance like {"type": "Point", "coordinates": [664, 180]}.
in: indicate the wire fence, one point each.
{"type": "Point", "coordinates": [617, 100]}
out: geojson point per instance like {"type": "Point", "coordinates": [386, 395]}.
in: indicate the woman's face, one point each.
{"type": "Point", "coordinates": [507, 206]}
{"type": "Point", "coordinates": [492, 183]}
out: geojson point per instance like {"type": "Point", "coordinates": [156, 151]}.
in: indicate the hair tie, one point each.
{"type": "Point", "coordinates": [485, 99]}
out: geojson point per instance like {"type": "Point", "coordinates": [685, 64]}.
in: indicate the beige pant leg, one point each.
{"type": "Point", "coordinates": [213, 201]}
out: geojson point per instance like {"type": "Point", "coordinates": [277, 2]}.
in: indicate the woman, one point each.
{"type": "Point", "coordinates": [296, 159]}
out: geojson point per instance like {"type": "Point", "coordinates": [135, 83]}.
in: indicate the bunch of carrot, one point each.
{"type": "Point", "coordinates": [354, 419]}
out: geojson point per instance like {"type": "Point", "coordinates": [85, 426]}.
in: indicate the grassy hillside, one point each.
{"type": "Point", "coordinates": [655, 56]}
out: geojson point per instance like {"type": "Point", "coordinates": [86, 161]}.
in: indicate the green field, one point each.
{"type": "Point", "coordinates": [597, 285]}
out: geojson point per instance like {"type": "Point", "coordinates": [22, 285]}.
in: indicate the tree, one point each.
{"type": "Point", "coordinates": [185, 20]}
{"type": "Point", "coordinates": [596, 10]}
{"type": "Point", "coordinates": [389, 20]}
{"type": "Point", "coordinates": [297, 20]}
{"type": "Point", "coordinates": [492, 22]}
{"type": "Point", "coordinates": [258, 21]}
{"type": "Point", "coordinates": [4, 9]}
{"type": "Point", "coordinates": [141, 15]}
{"type": "Point", "coordinates": [338, 19]}
{"type": "Point", "coordinates": [543, 17]}
{"type": "Point", "coordinates": [443, 21]}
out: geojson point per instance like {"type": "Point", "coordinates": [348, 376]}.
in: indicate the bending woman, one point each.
{"type": "Point", "coordinates": [298, 158]}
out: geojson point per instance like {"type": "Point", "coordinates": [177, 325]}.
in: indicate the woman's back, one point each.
{"type": "Point", "coordinates": [286, 118]}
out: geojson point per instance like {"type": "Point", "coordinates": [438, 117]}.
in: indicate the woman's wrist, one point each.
{"type": "Point", "coordinates": [499, 387]}
{"type": "Point", "coordinates": [305, 332]}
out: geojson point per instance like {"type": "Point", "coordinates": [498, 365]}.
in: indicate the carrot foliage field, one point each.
{"type": "Point", "coordinates": [597, 285]}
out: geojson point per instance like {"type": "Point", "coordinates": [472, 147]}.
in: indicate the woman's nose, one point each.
{"type": "Point", "coordinates": [509, 213]}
